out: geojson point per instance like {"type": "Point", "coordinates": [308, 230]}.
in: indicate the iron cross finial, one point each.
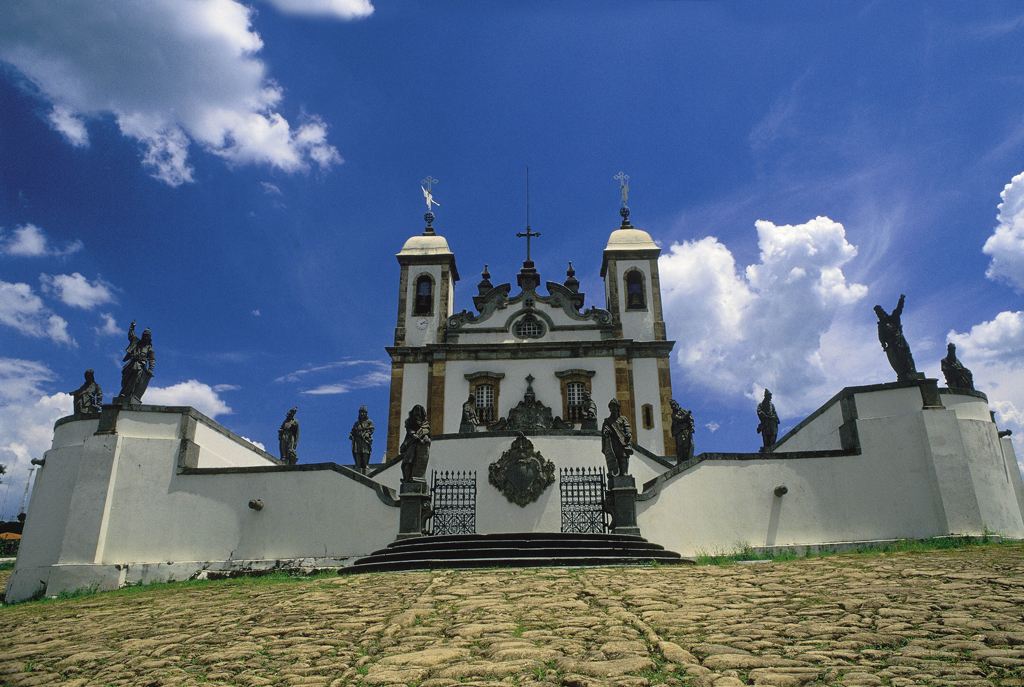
{"type": "Point", "coordinates": [624, 185]}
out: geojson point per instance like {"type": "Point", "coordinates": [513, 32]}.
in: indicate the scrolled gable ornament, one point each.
{"type": "Point", "coordinates": [522, 474]}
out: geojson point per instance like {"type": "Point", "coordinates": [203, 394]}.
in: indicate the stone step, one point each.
{"type": "Point", "coordinates": [515, 550]}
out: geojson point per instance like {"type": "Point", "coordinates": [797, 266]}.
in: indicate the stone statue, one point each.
{"type": "Point", "coordinates": [890, 335]}
{"type": "Point", "coordinates": [957, 376]}
{"type": "Point", "coordinates": [88, 397]}
{"type": "Point", "coordinates": [139, 362]}
{"type": "Point", "coordinates": [469, 418]}
{"type": "Point", "coordinates": [362, 440]}
{"type": "Point", "coordinates": [768, 421]}
{"type": "Point", "coordinates": [616, 437]}
{"type": "Point", "coordinates": [682, 430]}
{"type": "Point", "coordinates": [288, 438]}
{"type": "Point", "coordinates": [415, 449]}
{"type": "Point", "coordinates": [589, 412]}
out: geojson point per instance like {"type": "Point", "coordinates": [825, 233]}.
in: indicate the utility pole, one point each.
{"type": "Point", "coordinates": [24, 499]}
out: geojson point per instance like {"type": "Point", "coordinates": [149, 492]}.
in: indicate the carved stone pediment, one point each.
{"type": "Point", "coordinates": [529, 414]}
{"type": "Point", "coordinates": [522, 474]}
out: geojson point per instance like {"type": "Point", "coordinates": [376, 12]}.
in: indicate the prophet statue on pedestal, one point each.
{"type": "Point", "coordinates": [957, 376]}
{"type": "Point", "coordinates": [140, 362]}
{"type": "Point", "coordinates": [362, 440]}
{"type": "Point", "coordinates": [87, 397]}
{"type": "Point", "coordinates": [616, 440]}
{"type": "Point", "coordinates": [288, 438]}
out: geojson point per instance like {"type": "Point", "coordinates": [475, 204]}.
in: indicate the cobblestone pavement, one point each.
{"type": "Point", "coordinates": [935, 618]}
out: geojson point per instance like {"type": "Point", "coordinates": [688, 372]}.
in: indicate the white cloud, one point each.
{"type": "Point", "coordinates": [27, 414]}
{"type": "Point", "coordinates": [295, 376]}
{"type": "Point", "coordinates": [369, 380]}
{"type": "Point", "coordinates": [712, 426]}
{"type": "Point", "coordinates": [171, 73]}
{"type": "Point", "coordinates": [342, 9]}
{"type": "Point", "coordinates": [72, 127]}
{"type": "Point", "coordinates": [29, 241]}
{"type": "Point", "coordinates": [1006, 245]}
{"type": "Point", "coordinates": [255, 313]}
{"type": "Point", "coordinates": [994, 352]}
{"type": "Point", "coordinates": [109, 327]}
{"type": "Point", "coordinates": [221, 388]}
{"type": "Point", "coordinates": [193, 393]}
{"type": "Point", "coordinates": [270, 189]}
{"type": "Point", "coordinates": [77, 291]}
{"type": "Point", "coordinates": [23, 310]}
{"type": "Point", "coordinates": [769, 325]}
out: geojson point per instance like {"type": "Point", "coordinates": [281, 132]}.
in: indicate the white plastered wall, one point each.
{"type": "Point", "coordinates": [415, 380]}
{"type": "Point", "coordinates": [636, 324]}
{"type": "Point", "coordinates": [647, 390]}
{"type": "Point", "coordinates": [414, 335]}
{"type": "Point", "coordinates": [104, 503]}
{"type": "Point", "coordinates": [820, 434]}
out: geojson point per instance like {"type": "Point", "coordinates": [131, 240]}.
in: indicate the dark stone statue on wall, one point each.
{"type": "Point", "coordinates": [415, 449]}
{"type": "Point", "coordinates": [139, 362]}
{"type": "Point", "coordinates": [768, 421]}
{"type": "Point", "coordinates": [469, 419]}
{"type": "Point", "coordinates": [288, 438]}
{"type": "Point", "coordinates": [957, 376]}
{"type": "Point", "coordinates": [890, 335]}
{"type": "Point", "coordinates": [362, 440]}
{"type": "Point", "coordinates": [616, 440]}
{"type": "Point", "coordinates": [87, 397]}
{"type": "Point", "coordinates": [589, 412]}
{"type": "Point", "coordinates": [682, 430]}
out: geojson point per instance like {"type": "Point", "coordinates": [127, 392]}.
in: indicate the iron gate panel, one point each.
{"type": "Point", "coordinates": [583, 493]}
{"type": "Point", "coordinates": [454, 502]}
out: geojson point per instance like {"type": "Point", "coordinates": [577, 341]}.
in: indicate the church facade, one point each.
{"type": "Point", "coordinates": [567, 350]}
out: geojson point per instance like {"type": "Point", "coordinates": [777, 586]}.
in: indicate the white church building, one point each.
{"type": "Point", "coordinates": [147, 493]}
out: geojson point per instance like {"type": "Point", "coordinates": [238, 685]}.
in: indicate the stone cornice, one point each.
{"type": "Point", "coordinates": [625, 348]}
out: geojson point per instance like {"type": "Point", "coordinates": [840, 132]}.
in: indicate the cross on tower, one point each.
{"type": "Point", "coordinates": [528, 235]}
{"type": "Point", "coordinates": [623, 185]}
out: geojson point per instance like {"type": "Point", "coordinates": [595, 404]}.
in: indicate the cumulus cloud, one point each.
{"type": "Point", "coordinates": [769, 324]}
{"type": "Point", "coordinates": [341, 9]}
{"type": "Point", "coordinates": [77, 291]}
{"type": "Point", "coordinates": [109, 327]}
{"type": "Point", "coordinates": [193, 393]}
{"type": "Point", "coordinates": [1006, 245]}
{"type": "Point", "coordinates": [994, 352]}
{"type": "Point", "coordinates": [27, 414]}
{"type": "Point", "coordinates": [22, 309]}
{"type": "Point", "coordinates": [257, 444]}
{"type": "Point", "coordinates": [29, 241]}
{"type": "Point", "coordinates": [171, 73]}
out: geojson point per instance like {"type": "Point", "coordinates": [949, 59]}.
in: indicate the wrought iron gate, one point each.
{"type": "Point", "coordinates": [583, 492]}
{"type": "Point", "coordinates": [454, 502]}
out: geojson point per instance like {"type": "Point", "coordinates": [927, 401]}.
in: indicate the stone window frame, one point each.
{"type": "Point", "coordinates": [647, 415]}
{"type": "Point", "coordinates": [485, 377]}
{"type": "Point", "coordinates": [643, 289]}
{"type": "Point", "coordinates": [566, 377]}
{"type": "Point", "coordinates": [529, 317]}
{"type": "Point", "coordinates": [416, 292]}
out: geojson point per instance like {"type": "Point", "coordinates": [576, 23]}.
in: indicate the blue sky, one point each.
{"type": "Point", "coordinates": [238, 177]}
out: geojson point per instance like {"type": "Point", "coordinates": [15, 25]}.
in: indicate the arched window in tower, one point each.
{"type": "Point", "coordinates": [635, 297]}
{"type": "Point", "coordinates": [424, 304]}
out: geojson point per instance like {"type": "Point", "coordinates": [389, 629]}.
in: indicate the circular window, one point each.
{"type": "Point", "coordinates": [529, 328]}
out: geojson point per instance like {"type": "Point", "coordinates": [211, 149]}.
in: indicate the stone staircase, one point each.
{"type": "Point", "coordinates": [513, 550]}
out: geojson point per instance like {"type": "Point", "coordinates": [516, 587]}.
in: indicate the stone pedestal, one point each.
{"type": "Point", "coordinates": [623, 501]}
{"type": "Point", "coordinates": [415, 498]}
{"type": "Point", "coordinates": [589, 424]}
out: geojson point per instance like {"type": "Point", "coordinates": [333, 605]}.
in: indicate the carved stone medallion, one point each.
{"type": "Point", "coordinates": [522, 473]}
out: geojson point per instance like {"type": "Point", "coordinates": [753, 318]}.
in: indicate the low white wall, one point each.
{"type": "Point", "coordinates": [103, 502]}
{"type": "Point", "coordinates": [820, 434]}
